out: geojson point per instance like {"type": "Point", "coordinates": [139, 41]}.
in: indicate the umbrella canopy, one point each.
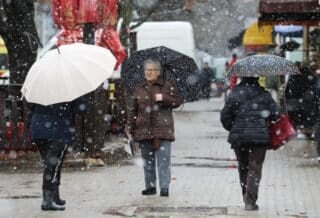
{"type": "Point", "coordinates": [236, 40]}
{"type": "Point", "coordinates": [263, 65]}
{"type": "Point", "coordinates": [290, 46]}
{"type": "Point", "coordinates": [67, 73]}
{"type": "Point", "coordinates": [176, 67]}
{"type": "Point", "coordinates": [289, 30]}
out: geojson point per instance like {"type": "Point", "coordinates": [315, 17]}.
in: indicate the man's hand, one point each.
{"type": "Point", "coordinates": [159, 97]}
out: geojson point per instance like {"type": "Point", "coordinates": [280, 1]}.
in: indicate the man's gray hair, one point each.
{"type": "Point", "coordinates": [152, 61]}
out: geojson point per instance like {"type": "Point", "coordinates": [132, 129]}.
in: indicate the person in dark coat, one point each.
{"type": "Point", "coordinates": [300, 98]}
{"type": "Point", "coordinates": [150, 122]}
{"type": "Point", "coordinates": [52, 130]}
{"type": "Point", "coordinates": [246, 115]}
{"type": "Point", "coordinates": [316, 92]}
{"type": "Point", "coordinates": [207, 77]}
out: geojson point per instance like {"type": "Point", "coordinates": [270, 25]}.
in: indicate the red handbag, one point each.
{"type": "Point", "coordinates": [281, 131]}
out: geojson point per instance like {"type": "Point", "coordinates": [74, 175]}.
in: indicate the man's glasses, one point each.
{"type": "Point", "coordinates": [151, 70]}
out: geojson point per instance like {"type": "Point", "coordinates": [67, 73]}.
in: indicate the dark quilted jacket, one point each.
{"type": "Point", "coordinates": [247, 113]}
{"type": "Point", "coordinates": [56, 122]}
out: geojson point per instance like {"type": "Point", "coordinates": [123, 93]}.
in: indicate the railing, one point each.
{"type": "Point", "coordinates": [13, 117]}
{"type": "Point", "coordinates": [106, 116]}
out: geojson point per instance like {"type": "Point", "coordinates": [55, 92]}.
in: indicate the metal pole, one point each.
{"type": "Point", "coordinates": [88, 33]}
{"type": "Point", "coordinates": [305, 43]}
{"type": "Point", "coordinates": [93, 122]}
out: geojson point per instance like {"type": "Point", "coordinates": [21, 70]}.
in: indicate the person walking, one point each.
{"type": "Point", "coordinates": [150, 122]}
{"type": "Point", "coordinates": [207, 75]}
{"type": "Point", "coordinates": [316, 102]}
{"type": "Point", "coordinates": [234, 79]}
{"type": "Point", "coordinates": [246, 114]}
{"type": "Point", "coordinates": [52, 130]}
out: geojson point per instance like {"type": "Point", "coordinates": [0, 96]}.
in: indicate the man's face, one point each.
{"type": "Point", "coordinates": [151, 72]}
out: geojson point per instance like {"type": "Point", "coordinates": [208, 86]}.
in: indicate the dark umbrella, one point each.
{"type": "Point", "coordinates": [236, 40]}
{"type": "Point", "coordinates": [263, 65]}
{"type": "Point", "coordinates": [290, 46]}
{"type": "Point", "coordinates": [176, 67]}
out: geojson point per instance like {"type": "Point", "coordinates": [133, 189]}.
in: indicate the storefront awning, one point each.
{"type": "Point", "coordinates": [297, 12]}
{"type": "Point", "coordinates": [289, 30]}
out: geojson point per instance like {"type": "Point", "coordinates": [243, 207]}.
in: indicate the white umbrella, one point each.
{"type": "Point", "coordinates": [67, 73]}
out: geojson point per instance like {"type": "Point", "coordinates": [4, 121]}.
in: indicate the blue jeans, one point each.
{"type": "Point", "coordinates": [163, 159]}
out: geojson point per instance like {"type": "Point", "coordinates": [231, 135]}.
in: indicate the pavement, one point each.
{"type": "Point", "coordinates": [204, 180]}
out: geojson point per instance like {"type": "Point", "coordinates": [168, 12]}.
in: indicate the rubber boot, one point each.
{"type": "Point", "coordinates": [56, 196]}
{"type": "Point", "coordinates": [48, 203]}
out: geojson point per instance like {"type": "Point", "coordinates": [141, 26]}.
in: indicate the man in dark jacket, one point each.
{"type": "Point", "coordinates": [300, 98]}
{"type": "Point", "coordinates": [52, 130]}
{"type": "Point", "coordinates": [207, 77]}
{"type": "Point", "coordinates": [246, 115]}
{"type": "Point", "coordinates": [150, 122]}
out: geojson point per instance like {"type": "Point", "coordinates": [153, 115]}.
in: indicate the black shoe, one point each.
{"type": "Point", "coordinates": [56, 197]}
{"type": "Point", "coordinates": [251, 207]}
{"type": "Point", "coordinates": [149, 191]}
{"type": "Point", "coordinates": [48, 203]}
{"type": "Point", "coordinates": [164, 192]}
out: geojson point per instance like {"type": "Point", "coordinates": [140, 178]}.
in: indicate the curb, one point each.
{"type": "Point", "coordinates": [112, 153]}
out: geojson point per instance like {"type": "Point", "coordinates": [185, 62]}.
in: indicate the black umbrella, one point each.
{"type": "Point", "coordinates": [290, 46]}
{"type": "Point", "coordinates": [236, 40]}
{"type": "Point", "coordinates": [176, 67]}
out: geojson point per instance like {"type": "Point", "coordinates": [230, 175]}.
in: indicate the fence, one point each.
{"type": "Point", "coordinates": [13, 117]}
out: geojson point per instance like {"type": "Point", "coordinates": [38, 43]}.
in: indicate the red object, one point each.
{"type": "Point", "coordinates": [258, 48]}
{"type": "Point", "coordinates": [110, 39]}
{"type": "Point", "coordinates": [281, 131]}
{"type": "Point", "coordinates": [233, 79]}
{"type": "Point", "coordinates": [9, 131]}
{"type": "Point", "coordinates": [233, 82]}
{"type": "Point", "coordinates": [232, 62]}
{"type": "Point", "coordinates": [65, 13]}
{"type": "Point", "coordinates": [20, 128]}
{"type": "Point", "coordinates": [90, 11]}
{"type": "Point", "coordinates": [107, 38]}
{"type": "Point", "coordinates": [69, 36]}
{"type": "Point", "coordinates": [110, 12]}
{"type": "Point", "coordinates": [69, 14]}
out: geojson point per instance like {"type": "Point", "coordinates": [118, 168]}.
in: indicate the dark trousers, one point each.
{"type": "Point", "coordinates": [318, 147]}
{"type": "Point", "coordinates": [250, 162]}
{"type": "Point", "coordinates": [53, 154]}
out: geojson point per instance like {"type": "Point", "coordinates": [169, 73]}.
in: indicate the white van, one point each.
{"type": "Point", "coordinates": [175, 35]}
